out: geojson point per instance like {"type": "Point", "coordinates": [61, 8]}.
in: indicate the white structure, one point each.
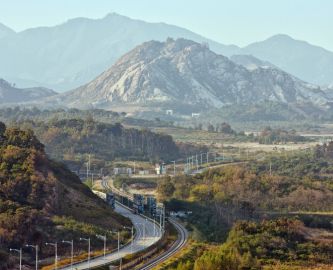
{"type": "Point", "coordinates": [122, 170]}
{"type": "Point", "coordinates": [169, 112]}
{"type": "Point", "coordinates": [144, 172]}
{"type": "Point", "coordinates": [195, 115]}
{"type": "Point", "coordinates": [160, 169]}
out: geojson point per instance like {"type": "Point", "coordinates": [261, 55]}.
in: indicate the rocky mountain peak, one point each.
{"type": "Point", "coordinates": [180, 73]}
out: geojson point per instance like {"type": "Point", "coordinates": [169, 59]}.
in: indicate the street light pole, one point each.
{"type": "Point", "coordinates": [103, 237]}
{"type": "Point", "coordinates": [72, 250]}
{"type": "Point", "coordinates": [87, 240]}
{"type": "Point", "coordinates": [55, 245]}
{"type": "Point", "coordinates": [36, 248]}
{"type": "Point", "coordinates": [132, 231]}
{"type": "Point", "coordinates": [20, 252]}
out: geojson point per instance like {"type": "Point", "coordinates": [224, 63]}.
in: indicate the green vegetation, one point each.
{"type": "Point", "coordinates": [18, 114]}
{"type": "Point", "coordinates": [269, 244]}
{"type": "Point", "coordinates": [275, 136]}
{"type": "Point", "coordinates": [72, 140]}
{"type": "Point", "coordinates": [219, 197]}
{"type": "Point", "coordinates": [142, 182]}
{"type": "Point", "coordinates": [34, 190]}
{"type": "Point", "coordinates": [251, 245]}
{"type": "Point", "coordinates": [285, 204]}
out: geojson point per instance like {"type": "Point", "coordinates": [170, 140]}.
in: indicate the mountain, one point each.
{"type": "Point", "coordinates": [182, 73]}
{"type": "Point", "coordinates": [5, 31]}
{"type": "Point", "coordinates": [10, 94]}
{"type": "Point", "coordinates": [43, 201]}
{"type": "Point", "coordinates": [249, 61]}
{"type": "Point", "coordinates": [299, 58]}
{"type": "Point", "coordinates": [68, 55]}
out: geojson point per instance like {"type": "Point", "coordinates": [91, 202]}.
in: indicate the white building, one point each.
{"type": "Point", "coordinates": [160, 169]}
{"type": "Point", "coordinates": [169, 112]}
{"type": "Point", "coordinates": [122, 170]}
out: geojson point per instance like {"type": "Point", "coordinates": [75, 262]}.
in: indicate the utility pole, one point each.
{"type": "Point", "coordinates": [87, 240]}
{"type": "Point", "coordinates": [207, 157]}
{"type": "Point", "coordinates": [36, 248]}
{"type": "Point", "coordinates": [270, 168]}
{"type": "Point", "coordinates": [55, 245]}
{"type": "Point", "coordinates": [20, 253]}
{"type": "Point", "coordinates": [89, 162]}
{"type": "Point", "coordinates": [163, 218]}
{"type": "Point", "coordinates": [87, 170]}
{"type": "Point", "coordinates": [72, 250]}
{"type": "Point", "coordinates": [118, 242]}
{"type": "Point", "coordinates": [174, 167]}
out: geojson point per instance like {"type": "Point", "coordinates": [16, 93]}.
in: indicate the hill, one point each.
{"type": "Point", "coordinates": [5, 31]}
{"type": "Point", "coordinates": [41, 200]}
{"type": "Point", "coordinates": [9, 94]}
{"type": "Point", "coordinates": [68, 55]}
{"type": "Point", "coordinates": [299, 58]}
{"type": "Point", "coordinates": [180, 74]}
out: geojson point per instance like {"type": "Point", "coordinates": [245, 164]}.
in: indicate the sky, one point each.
{"type": "Point", "coordinates": [238, 22]}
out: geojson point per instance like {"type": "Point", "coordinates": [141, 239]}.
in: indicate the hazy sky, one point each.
{"type": "Point", "coordinates": [230, 22]}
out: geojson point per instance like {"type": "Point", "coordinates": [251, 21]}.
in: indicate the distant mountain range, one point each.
{"type": "Point", "coordinates": [299, 58]}
{"type": "Point", "coordinates": [5, 31]}
{"type": "Point", "coordinates": [9, 94]}
{"type": "Point", "coordinates": [66, 56]}
{"type": "Point", "coordinates": [182, 73]}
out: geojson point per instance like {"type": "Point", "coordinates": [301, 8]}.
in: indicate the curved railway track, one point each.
{"type": "Point", "coordinates": [177, 246]}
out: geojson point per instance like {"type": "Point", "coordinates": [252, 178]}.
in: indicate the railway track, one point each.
{"type": "Point", "coordinates": [177, 246]}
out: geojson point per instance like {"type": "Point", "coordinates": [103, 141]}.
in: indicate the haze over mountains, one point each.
{"type": "Point", "coordinates": [68, 55]}
{"type": "Point", "coordinates": [5, 31]}
{"type": "Point", "coordinates": [9, 94]}
{"type": "Point", "coordinates": [71, 54]}
{"type": "Point", "coordinates": [180, 73]}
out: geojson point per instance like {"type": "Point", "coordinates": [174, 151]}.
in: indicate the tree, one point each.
{"type": "Point", "coordinates": [166, 188]}
{"type": "Point", "coordinates": [210, 128]}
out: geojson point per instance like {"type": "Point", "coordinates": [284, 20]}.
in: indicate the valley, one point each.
{"type": "Point", "coordinates": [150, 141]}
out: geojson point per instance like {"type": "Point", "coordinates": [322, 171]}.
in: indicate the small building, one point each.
{"type": "Point", "coordinates": [160, 169]}
{"type": "Point", "coordinates": [169, 112]}
{"type": "Point", "coordinates": [195, 115]}
{"type": "Point", "coordinates": [144, 172]}
{"type": "Point", "coordinates": [122, 170]}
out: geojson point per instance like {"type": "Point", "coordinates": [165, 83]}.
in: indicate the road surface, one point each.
{"type": "Point", "coordinates": [147, 233]}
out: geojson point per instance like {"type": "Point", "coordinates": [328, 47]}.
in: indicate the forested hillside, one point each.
{"type": "Point", "coordinates": [219, 197]}
{"type": "Point", "coordinates": [282, 244]}
{"type": "Point", "coordinates": [271, 214]}
{"type": "Point", "coordinates": [39, 198]}
{"type": "Point", "coordinates": [76, 138]}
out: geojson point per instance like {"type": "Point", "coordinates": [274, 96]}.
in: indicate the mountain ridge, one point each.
{"type": "Point", "coordinates": [300, 58]}
{"type": "Point", "coordinates": [90, 48]}
{"type": "Point", "coordinates": [10, 94]}
{"type": "Point", "coordinates": [187, 73]}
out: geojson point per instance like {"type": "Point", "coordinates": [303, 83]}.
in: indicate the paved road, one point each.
{"type": "Point", "coordinates": [147, 233]}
